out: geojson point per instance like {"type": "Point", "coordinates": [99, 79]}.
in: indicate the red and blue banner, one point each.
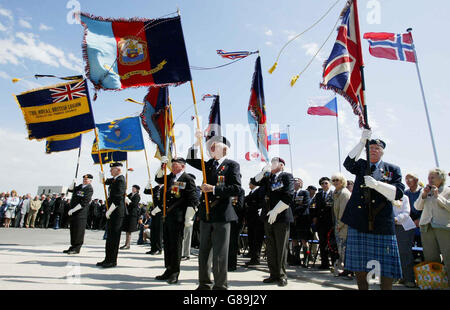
{"type": "Point", "coordinates": [257, 112]}
{"type": "Point", "coordinates": [214, 126]}
{"type": "Point", "coordinates": [342, 70]}
{"type": "Point", "coordinates": [329, 109]}
{"type": "Point", "coordinates": [234, 55]}
{"type": "Point", "coordinates": [278, 138]}
{"type": "Point", "coordinates": [391, 46]}
{"type": "Point", "coordinates": [57, 111]}
{"type": "Point", "coordinates": [60, 145]}
{"type": "Point", "coordinates": [121, 53]}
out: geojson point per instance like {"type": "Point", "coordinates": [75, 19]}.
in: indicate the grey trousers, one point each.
{"type": "Point", "coordinates": [436, 242]}
{"type": "Point", "coordinates": [187, 238]}
{"type": "Point", "coordinates": [405, 241]}
{"type": "Point", "coordinates": [277, 237]}
{"type": "Point", "coordinates": [214, 244]}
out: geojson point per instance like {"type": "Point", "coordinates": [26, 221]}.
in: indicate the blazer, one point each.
{"type": "Point", "coordinates": [356, 212]}
{"type": "Point", "coordinates": [253, 203]}
{"type": "Point", "coordinates": [340, 200]}
{"type": "Point", "coordinates": [117, 189]}
{"type": "Point", "coordinates": [81, 196]}
{"type": "Point", "coordinates": [179, 196]}
{"type": "Point", "coordinates": [280, 189]}
{"type": "Point", "coordinates": [227, 182]}
{"type": "Point", "coordinates": [133, 207]}
{"type": "Point", "coordinates": [436, 211]}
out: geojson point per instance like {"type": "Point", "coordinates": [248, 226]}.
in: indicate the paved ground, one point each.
{"type": "Point", "coordinates": [32, 259]}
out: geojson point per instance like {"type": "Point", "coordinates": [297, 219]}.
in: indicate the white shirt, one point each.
{"type": "Point", "coordinates": [178, 175]}
{"type": "Point", "coordinates": [401, 213]}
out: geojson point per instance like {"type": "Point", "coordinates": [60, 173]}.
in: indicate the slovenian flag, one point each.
{"type": "Point", "coordinates": [323, 107]}
{"type": "Point", "coordinates": [278, 138]}
{"type": "Point", "coordinates": [121, 53]}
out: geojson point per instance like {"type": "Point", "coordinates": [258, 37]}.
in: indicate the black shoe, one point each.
{"type": "Point", "coordinates": [203, 288]}
{"type": "Point", "coordinates": [150, 252]}
{"type": "Point", "coordinates": [252, 263]}
{"type": "Point", "coordinates": [270, 280]}
{"type": "Point", "coordinates": [73, 252]}
{"type": "Point", "coordinates": [172, 280]}
{"type": "Point", "coordinates": [125, 247]}
{"type": "Point", "coordinates": [282, 282]}
{"type": "Point", "coordinates": [185, 258]}
{"type": "Point", "coordinates": [67, 251]}
{"type": "Point", "coordinates": [231, 269]}
{"type": "Point", "coordinates": [164, 276]}
{"type": "Point", "coordinates": [109, 265]}
{"type": "Point", "coordinates": [100, 263]}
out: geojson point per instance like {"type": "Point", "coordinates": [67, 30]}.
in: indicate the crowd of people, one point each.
{"type": "Point", "coordinates": [277, 220]}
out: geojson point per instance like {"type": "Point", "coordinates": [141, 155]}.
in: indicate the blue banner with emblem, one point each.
{"type": "Point", "coordinates": [108, 156]}
{"type": "Point", "coordinates": [121, 135]}
{"type": "Point", "coordinates": [63, 144]}
{"type": "Point", "coordinates": [57, 110]}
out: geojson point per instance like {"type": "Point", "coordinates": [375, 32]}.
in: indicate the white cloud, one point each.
{"type": "Point", "coordinates": [43, 27]}
{"type": "Point", "coordinates": [311, 49]}
{"type": "Point", "coordinates": [28, 46]}
{"type": "Point", "coordinates": [268, 43]}
{"type": "Point", "coordinates": [2, 27]}
{"type": "Point", "coordinates": [268, 32]}
{"type": "Point", "coordinates": [4, 75]}
{"type": "Point", "coordinates": [290, 34]}
{"type": "Point", "coordinates": [24, 24]}
{"type": "Point", "coordinates": [6, 13]}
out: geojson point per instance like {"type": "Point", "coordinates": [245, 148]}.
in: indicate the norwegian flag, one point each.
{"type": "Point", "coordinates": [391, 46]}
{"type": "Point", "coordinates": [234, 55]}
{"type": "Point", "coordinates": [68, 92]}
{"type": "Point", "coordinates": [342, 70]}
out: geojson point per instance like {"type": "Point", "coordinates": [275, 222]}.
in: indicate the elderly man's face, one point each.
{"type": "Point", "coordinates": [177, 167]}
{"type": "Point", "coordinates": [411, 181]}
{"type": "Point", "coordinates": [376, 152]}
{"type": "Point", "coordinates": [216, 150]}
{"type": "Point", "coordinates": [276, 166]}
{"type": "Point", "coordinates": [298, 184]}
{"type": "Point", "coordinates": [86, 181]}
{"type": "Point", "coordinates": [325, 184]}
{"type": "Point", "coordinates": [115, 171]}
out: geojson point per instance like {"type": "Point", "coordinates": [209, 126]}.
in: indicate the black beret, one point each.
{"type": "Point", "coordinates": [116, 164]}
{"type": "Point", "coordinates": [218, 139]}
{"type": "Point", "coordinates": [324, 179]}
{"type": "Point", "coordinates": [180, 160]}
{"type": "Point", "coordinates": [281, 160]}
{"type": "Point", "coordinates": [378, 142]}
{"type": "Point", "coordinates": [311, 187]}
{"type": "Point", "coordinates": [88, 176]}
{"type": "Point", "coordinates": [137, 187]}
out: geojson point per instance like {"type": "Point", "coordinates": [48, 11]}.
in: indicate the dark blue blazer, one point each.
{"type": "Point", "coordinates": [356, 212]}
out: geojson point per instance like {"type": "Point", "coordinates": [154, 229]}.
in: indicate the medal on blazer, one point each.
{"type": "Point", "coordinates": [277, 185]}
{"type": "Point", "coordinates": [80, 194]}
{"type": "Point", "coordinates": [388, 176]}
{"type": "Point", "coordinates": [181, 185]}
{"type": "Point", "coordinates": [220, 180]}
{"type": "Point", "coordinates": [175, 190]}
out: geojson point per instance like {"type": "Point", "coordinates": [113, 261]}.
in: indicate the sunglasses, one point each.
{"type": "Point", "coordinates": [335, 180]}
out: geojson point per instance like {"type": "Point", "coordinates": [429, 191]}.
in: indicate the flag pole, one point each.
{"type": "Point", "coordinates": [339, 141]}
{"type": "Point", "coordinates": [201, 151]}
{"type": "Point", "coordinates": [409, 30]}
{"type": "Point", "coordinates": [78, 162]}
{"type": "Point", "coordinates": [165, 165]}
{"type": "Point", "coordinates": [148, 170]}
{"type": "Point", "coordinates": [126, 179]}
{"type": "Point", "coordinates": [101, 166]}
{"type": "Point", "coordinates": [290, 150]}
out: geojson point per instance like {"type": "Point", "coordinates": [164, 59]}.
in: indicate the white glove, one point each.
{"type": "Point", "coordinates": [149, 185]}
{"type": "Point", "coordinates": [387, 190]}
{"type": "Point", "coordinates": [155, 211]}
{"type": "Point", "coordinates": [159, 173]}
{"type": "Point", "coordinates": [190, 212]}
{"type": "Point", "coordinates": [259, 176]}
{"type": "Point", "coordinates": [280, 207]}
{"type": "Point", "coordinates": [72, 185]}
{"type": "Point", "coordinates": [72, 211]}
{"type": "Point", "coordinates": [101, 177]}
{"type": "Point", "coordinates": [111, 209]}
{"type": "Point", "coordinates": [366, 134]}
{"type": "Point", "coordinates": [198, 137]}
{"type": "Point", "coordinates": [164, 160]}
{"type": "Point", "coordinates": [127, 200]}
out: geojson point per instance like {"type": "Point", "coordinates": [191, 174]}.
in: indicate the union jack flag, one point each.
{"type": "Point", "coordinates": [391, 46]}
{"type": "Point", "coordinates": [342, 70]}
{"type": "Point", "coordinates": [234, 55]}
{"type": "Point", "coordinates": [68, 92]}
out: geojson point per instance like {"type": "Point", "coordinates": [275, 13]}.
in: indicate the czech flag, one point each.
{"type": "Point", "coordinates": [329, 109]}
{"type": "Point", "coordinates": [121, 53]}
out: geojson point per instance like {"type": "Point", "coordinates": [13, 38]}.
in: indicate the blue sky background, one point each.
{"type": "Point", "coordinates": [35, 38]}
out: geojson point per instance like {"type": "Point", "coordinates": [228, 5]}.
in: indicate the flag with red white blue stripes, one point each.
{"type": "Point", "coordinates": [391, 46]}
{"type": "Point", "coordinates": [234, 55]}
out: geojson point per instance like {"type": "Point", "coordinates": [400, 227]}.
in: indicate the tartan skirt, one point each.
{"type": "Point", "coordinates": [363, 248]}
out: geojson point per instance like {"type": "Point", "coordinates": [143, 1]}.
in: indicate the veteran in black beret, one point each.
{"type": "Point", "coordinates": [372, 240]}
{"type": "Point", "coordinates": [223, 181]}
{"type": "Point", "coordinates": [78, 212]}
{"type": "Point", "coordinates": [114, 214]}
{"type": "Point", "coordinates": [181, 200]}
{"type": "Point", "coordinates": [278, 188]}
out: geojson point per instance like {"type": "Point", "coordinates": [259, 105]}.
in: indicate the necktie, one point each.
{"type": "Point", "coordinates": [372, 168]}
{"type": "Point", "coordinates": [215, 165]}
{"type": "Point", "coordinates": [272, 178]}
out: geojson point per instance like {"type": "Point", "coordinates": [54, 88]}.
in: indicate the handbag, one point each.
{"type": "Point", "coordinates": [431, 276]}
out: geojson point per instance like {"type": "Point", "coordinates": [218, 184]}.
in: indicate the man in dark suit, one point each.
{"type": "Point", "coordinates": [181, 199]}
{"type": "Point", "coordinates": [79, 207]}
{"type": "Point", "coordinates": [372, 238]}
{"type": "Point", "coordinates": [59, 210]}
{"type": "Point", "coordinates": [255, 223]}
{"type": "Point", "coordinates": [235, 230]}
{"type": "Point", "coordinates": [223, 181]}
{"type": "Point", "coordinates": [156, 228]}
{"type": "Point", "coordinates": [278, 187]}
{"type": "Point", "coordinates": [114, 215]}
{"type": "Point", "coordinates": [323, 220]}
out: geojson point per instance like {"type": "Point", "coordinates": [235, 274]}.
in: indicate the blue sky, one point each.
{"type": "Point", "coordinates": [35, 38]}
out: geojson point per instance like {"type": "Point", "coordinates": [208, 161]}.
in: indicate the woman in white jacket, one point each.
{"type": "Point", "coordinates": [435, 220]}
{"type": "Point", "coordinates": [404, 231]}
{"type": "Point", "coordinates": [11, 204]}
